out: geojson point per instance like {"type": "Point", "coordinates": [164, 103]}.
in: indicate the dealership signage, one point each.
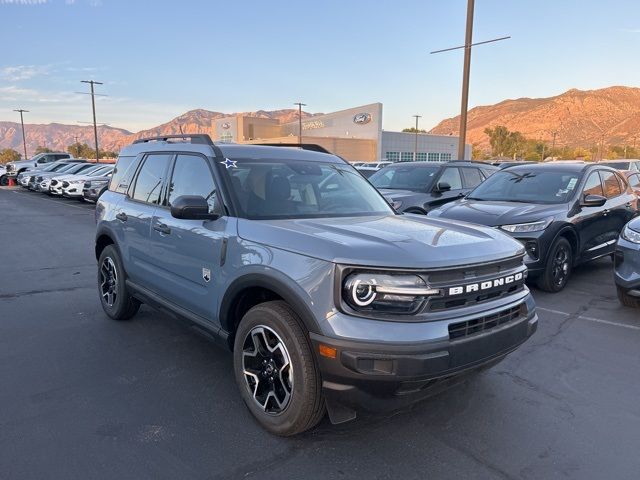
{"type": "Point", "coordinates": [362, 118]}
{"type": "Point", "coordinates": [226, 125]}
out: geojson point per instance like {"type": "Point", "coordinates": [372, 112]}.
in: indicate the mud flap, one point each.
{"type": "Point", "coordinates": [339, 413]}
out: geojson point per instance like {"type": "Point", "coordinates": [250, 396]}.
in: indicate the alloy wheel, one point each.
{"type": "Point", "coordinates": [267, 369]}
{"type": "Point", "coordinates": [561, 265]}
{"type": "Point", "coordinates": [108, 281]}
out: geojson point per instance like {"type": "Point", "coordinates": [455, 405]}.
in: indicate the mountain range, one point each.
{"type": "Point", "coordinates": [57, 136]}
{"type": "Point", "coordinates": [580, 118]}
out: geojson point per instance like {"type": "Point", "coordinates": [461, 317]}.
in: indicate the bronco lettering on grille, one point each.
{"type": "Point", "coordinates": [489, 284]}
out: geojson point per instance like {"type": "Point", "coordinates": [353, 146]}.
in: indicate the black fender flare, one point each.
{"type": "Point", "coordinates": [269, 279]}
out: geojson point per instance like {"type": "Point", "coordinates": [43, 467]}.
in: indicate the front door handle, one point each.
{"type": "Point", "coordinates": [122, 216]}
{"type": "Point", "coordinates": [162, 228]}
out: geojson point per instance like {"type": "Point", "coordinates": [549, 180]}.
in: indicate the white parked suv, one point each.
{"type": "Point", "coordinates": [72, 187]}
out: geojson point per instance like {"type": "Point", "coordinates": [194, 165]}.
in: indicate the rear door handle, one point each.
{"type": "Point", "coordinates": [162, 228]}
{"type": "Point", "coordinates": [122, 216]}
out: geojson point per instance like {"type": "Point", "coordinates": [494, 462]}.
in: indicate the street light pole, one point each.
{"type": "Point", "coordinates": [300, 105]}
{"type": "Point", "coordinates": [24, 141]}
{"type": "Point", "coordinates": [93, 107]}
{"type": "Point", "coordinates": [415, 148]}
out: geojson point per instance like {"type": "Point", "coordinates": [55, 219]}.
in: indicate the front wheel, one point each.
{"type": "Point", "coordinates": [115, 298]}
{"type": "Point", "coordinates": [4, 181]}
{"type": "Point", "coordinates": [275, 370]}
{"type": "Point", "coordinates": [558, 266]}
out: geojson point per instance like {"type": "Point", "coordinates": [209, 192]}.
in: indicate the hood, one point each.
{"type": "Point", "coordinates": [494, 214]}
{"type": "Point", "coordinates": [634, 224]}
{"type": "Point", "coordinates": [403, 241]}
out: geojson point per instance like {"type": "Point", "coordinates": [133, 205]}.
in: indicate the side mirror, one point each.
{"type": "Point", "coordinates": [442, 187]}
{"type": "Point", "coordinates": [593, 201]}
{"type": "Point", "coordinates": [192, 207]}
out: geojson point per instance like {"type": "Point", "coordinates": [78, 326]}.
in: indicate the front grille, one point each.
{"type": "Point", "coordinates": [436, 304]}
{"type": "Point", "coordinates": [54, 182]}
{"type": "Point", "coordinates": [65, 184]}
{"type": "Point", "coordinates": [87, 185]}
{"type": "Point", "coordinates": [10, 168]}
{"type": "Point", "coordinates": [488, 322]}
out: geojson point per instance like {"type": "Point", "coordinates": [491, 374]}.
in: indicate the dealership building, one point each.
{"type": "Point", "coordinates": [355, 134]}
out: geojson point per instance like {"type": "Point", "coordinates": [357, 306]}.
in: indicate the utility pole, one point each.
{"type": "Point", "coordinates": [415, 148]}
{"type": "Point", "coordinates": [93, 107]}
{"type": "Point", "coordinates": [24, 141]}
{"type": "Point", "coordinates": [300, 105]}
{"type": "Point", "coordinates": [553, 145]}
{"type": "Point", "coordinates": [464, 104]}
{"type": "Point", "coordinates": [601, 146]}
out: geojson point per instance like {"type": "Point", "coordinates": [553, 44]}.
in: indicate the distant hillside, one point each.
{"type": "Point", "coordinates": [57, 136]}
{"type": "Point", "coordinates": [580, 118]}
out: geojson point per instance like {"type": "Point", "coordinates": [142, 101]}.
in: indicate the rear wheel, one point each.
{"type": "Point", "coordinates": [626, 299]}
{"type": "Point", "coordinates": [275, 370]}
{"type": "Point", "coordinates": [116, 300]}
{"type": "Point", "coordinates": [558, 267]}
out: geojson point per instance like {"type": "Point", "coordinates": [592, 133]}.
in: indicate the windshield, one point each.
{"type": "Point", "coordinates": [532, 186]}
{"type": "Point", "coordinates": [405, 177]}
{"type": "Point", "coordinates": [66, 167]}
{"type": "Point", "coordinates": [52, 167]}
{"type": "Point", "coordinates": [268, 188]}
{"type": "Point", "coordinates": [98, 171]}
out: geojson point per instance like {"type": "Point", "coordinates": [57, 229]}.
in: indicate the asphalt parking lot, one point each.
{"type": "Point", "coordinates": [84, 397]}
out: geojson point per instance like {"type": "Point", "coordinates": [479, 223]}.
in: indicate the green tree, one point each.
{"type": "Point", "coordinates": [82, 150]}
{"type": "Point", "coordinates": [41, 149]}
{"type": "Point", "coordinates": [413, 130]}
{"type": "Point", "coordinates": [9, 155]}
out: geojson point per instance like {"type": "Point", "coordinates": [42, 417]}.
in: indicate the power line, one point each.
{"type": "Point", "coordinates": [24, 141]}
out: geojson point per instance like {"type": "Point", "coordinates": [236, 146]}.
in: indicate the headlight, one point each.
{"type": "Point", "coordinates": [388, 293]}
{"type": "Point", "coordinates": [98, 183]}
{"type": "Point", "coordinates": [75, 182]}
{"type": "Point", "coordinates": [527, 227]}
{"type": "Point", "coordinates": [630, 235]}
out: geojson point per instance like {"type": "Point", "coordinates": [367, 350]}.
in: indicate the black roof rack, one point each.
{"type": "Point", "coordinates": [304, 146]}
{"type": "Point", "coordinates": [200, 138]}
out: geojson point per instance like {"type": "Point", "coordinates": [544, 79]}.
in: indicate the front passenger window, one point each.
{"type": "Point", "coordinates": [150, 178]}
{"type": "Point", "coordinates": [452, 177]}
{"type": "Point", "coordinates": [192, 176]}
{"type": "Point", "coordinates": [611, 184]}
{"type": "Point", "coordinates": [593, 186]}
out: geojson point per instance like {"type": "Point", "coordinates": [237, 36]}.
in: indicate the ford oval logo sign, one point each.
{"type": "Point", "coordinates": [226, 125]}
{"type": "Point", "coordinates": [362, 118]}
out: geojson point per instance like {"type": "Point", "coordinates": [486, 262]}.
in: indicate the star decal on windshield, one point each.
{"type": "Point", "coordinates": [229, 163]}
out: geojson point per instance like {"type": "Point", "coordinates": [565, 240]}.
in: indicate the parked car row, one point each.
{"type": "Point", "coordinates": [71, 178]}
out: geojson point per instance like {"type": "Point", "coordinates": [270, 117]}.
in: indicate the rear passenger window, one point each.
{"type": "Point", "coordinates": [593, 185]}
{"type": "Point", "coordinates": [150, 178]}
{"type": "Point", "coordinates": [452, 177]}
{"type": "Point", "coordinates": [191, 176]}
{"type": "Point", "coordinates": [611, 184]}
{"type": "Point", "coordinates": [122, 174]}
{"type": "Point", "coordinates": [472, 177]}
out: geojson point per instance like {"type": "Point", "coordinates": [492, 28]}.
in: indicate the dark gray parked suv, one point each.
{"type": "Point", "coordinates": [291, 259]}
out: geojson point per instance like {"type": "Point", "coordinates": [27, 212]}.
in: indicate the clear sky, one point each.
{"type": "Point", "coordinates": [158, 59]}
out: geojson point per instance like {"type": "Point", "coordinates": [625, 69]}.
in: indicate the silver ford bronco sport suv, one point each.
{"type": "Point", "coordinates": [328, 298]}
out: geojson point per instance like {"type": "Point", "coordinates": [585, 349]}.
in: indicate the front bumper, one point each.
{"type": "Point", "coordinates": [386, 375]}
{"type": "Point", "coordinates": [72, 191]}
{"type": "Point", "coordinates": [627, 264]}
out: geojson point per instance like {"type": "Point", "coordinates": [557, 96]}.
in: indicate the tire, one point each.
{"type": "Point", "coordinates": [116, 300]}
{"type": "Point", "coordinates": [281, 387]}
{"type": "Point", "coordinates": [626, 299]}
{"type": "Point", "coordinates": [558, 266]}
{"type": "Point", "coordinates": [4, 181]}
